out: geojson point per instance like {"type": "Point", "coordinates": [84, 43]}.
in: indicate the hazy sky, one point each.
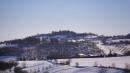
{"type": "Point", "coordinates": [20, 18]}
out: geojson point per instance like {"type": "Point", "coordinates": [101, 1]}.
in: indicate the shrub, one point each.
{"type": "Point", "coordinates": [95, 64]}
{"type": "Point", "coordinates": [127, 66]}
{"type": "Point", "coordinates": [19, 70]}
{"type": "Point", "coordinates": [7, 65]}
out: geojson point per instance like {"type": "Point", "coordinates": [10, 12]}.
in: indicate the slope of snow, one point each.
{"type": "Point", "coordinates": [47, 67]}
{"type": "Point", "coordinates": [118, 40]}
{"type": "Point", "coordinates": [96, 70]}
{"type": "Point", "coordinates": [35, 66]}
{"type": "Point", "coordinates": [118, 49]}
{"type": "Point", "coordinates": [119, 62]}
{"type": "Point", "coordinates": [68, 69]}
{"type": "Point", "coordinates": [102, 47]}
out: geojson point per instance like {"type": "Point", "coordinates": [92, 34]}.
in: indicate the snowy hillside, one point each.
{"type": "Point", "coordinates": [32, 66]}
{"type": "Point", "coordinates": [118, 49]}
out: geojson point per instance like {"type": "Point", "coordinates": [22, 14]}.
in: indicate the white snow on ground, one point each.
{"type": "Point", "coordinates": [68, 69]}
{"type": "Point", "coordinates": [102, 47]}
{"type": "Point", "coordinates": [35, 66]}
{"type": "Point", "coordinates": [45, 66]}
{"type": "Point", "coordinates": [119, 62]}
{"type": "Point", "coordinates": [118, 40]}
{"type": "Point", "coordinates": [48, 67]}
{"type": "Point", "coordinates": [119, 49]}
{"type": "Point", "coordinates": [87, 63]}
{"type": "Point", "coordinates": [96, 70]}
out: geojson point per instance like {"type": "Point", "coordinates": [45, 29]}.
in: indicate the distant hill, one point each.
{"type": "Point", "coordinates": [63, 44]}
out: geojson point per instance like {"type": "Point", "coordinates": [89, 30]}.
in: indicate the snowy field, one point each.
{"type": "Point", "coordinates": [69, 69]}
{"type": "Point", "coordinates": [35, 66]}
{"type": "Point", "coordinates": [47, 67]}
{"type": "Point", "coordinates": [87, 63]}
{"type": "Point", "coordinates": [119, 62]}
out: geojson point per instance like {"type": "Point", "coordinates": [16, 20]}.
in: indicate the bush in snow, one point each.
{"type": "Point", "coordinates": [7, 65]}
{"type": "Point", "coordinates": [76, 64]}
{"type": "Point", "coordinates": [95, 64]}
{"type": "Point", "coordinates": [113, 65]}
{"type": "Point", "coordinates": [24, 65]}
{"type": "Point", "coordinates": [127, 66]}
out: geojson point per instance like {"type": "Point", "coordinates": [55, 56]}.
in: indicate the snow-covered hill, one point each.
{"type": "Point", "coordinates": [120, 49]}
